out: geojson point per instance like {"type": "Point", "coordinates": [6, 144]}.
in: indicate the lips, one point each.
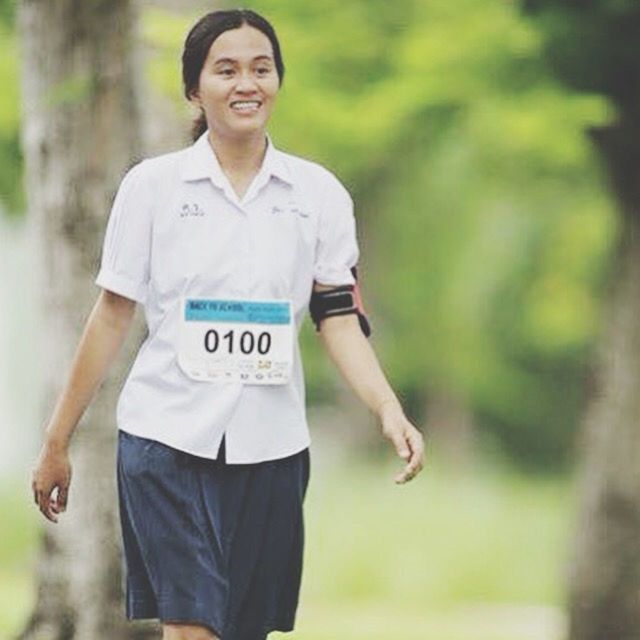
{"type": "Point", "coordinates": [245, 106]}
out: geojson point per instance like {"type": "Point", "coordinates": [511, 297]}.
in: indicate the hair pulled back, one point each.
{"type": "Point", "coordinates": [202, 36]}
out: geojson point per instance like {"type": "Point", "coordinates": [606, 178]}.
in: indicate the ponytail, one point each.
{"type": "Point", "coordinates": [199, 126]}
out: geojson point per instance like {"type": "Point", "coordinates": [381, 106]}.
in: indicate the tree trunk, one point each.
{"type": "Point", "coordinates": [604, 582]}
{"type": "Point", "coordinates": [81, 129]}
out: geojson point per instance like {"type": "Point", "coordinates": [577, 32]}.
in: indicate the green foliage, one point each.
{"type": "Point", "coordinates": [7, 12]}
{"type": "Point", "coordinates": [163, 33]}
{"type": "Point", "coordinates": [593, 45]}
{"type": "Point", "coordinates": [11, 195]}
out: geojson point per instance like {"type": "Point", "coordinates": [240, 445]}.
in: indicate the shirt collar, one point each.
{"type": "Point", "coordinates": [202, 163]}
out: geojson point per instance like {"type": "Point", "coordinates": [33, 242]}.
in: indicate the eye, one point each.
{"type": "Point", "coordinates": [226, 71]}
{"type": "Point", "coordinates": [263, 71]}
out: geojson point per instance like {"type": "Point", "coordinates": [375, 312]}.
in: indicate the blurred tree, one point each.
{"type": "Point", "coordinates": [593, 46]}
{"type": "Point", "coordinates": [80, 130]}
{"type": "Point", "coordinates": [11, 167]}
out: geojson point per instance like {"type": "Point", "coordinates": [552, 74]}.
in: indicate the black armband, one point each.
{"type": "Point", "coordinates": [339, 301]}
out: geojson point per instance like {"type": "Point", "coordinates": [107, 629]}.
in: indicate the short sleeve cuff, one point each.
{"type": "Point", "coordinates": [121, 285]}
{"type": "Point", "coordinates": [332, 275]}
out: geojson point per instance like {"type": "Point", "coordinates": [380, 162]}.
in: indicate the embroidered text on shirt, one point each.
{"type": "Point", "coordinates": [292, 208]}
{"type": "Point", "coordinates": [190, 210]}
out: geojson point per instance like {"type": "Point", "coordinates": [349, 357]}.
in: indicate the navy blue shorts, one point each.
{"type": "Point", "coordinates": [211, 543]}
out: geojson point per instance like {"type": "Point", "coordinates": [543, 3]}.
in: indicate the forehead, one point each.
{"type": "Point", "coordinates": [238, 44]}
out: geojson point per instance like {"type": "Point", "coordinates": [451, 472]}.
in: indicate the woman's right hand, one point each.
{"type": "Point", "coordinates": [51, 472]}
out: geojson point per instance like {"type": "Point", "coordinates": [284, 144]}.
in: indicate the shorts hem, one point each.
{"type": "Point", "coordinates": [267, 627]}
{"type": "Point", "coordinates": [282, 628]}
{"type": "Point", "coordinates": [178, 620]}
{"type": "Point", "coordinates": [143, 610]}
{"type": "Point", "coordinates": [165, 614]}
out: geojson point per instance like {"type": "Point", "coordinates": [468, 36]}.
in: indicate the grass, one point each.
{"type": "Point", "coordinates": [380, 622]}
{"type": "Point", "coordinates": [476, 556]}
{"type": "Point", "coordinates": [18, 543]}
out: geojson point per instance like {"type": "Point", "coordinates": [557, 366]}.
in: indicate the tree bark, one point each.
{"type": "Point", "coordinates": [81, 129]}
{"type": "Point", "coordinates": [604, 579]}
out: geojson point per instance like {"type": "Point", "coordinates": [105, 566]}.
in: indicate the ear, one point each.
{"type": "Point", "coordinates": [194, 97]}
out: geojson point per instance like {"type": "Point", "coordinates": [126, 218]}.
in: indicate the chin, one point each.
{"type": "Point", "coordinates": [246, 128]}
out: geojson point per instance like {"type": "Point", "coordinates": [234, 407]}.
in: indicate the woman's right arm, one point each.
{"type": "Point", "coordinates": [103, 335]}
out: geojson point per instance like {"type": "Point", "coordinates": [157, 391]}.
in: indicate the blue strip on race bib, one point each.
{"type": "Point", "coordinates": [236, 311]}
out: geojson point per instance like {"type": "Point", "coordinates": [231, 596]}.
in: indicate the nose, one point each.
{"type": "Point", "coordinates": [246, 83]}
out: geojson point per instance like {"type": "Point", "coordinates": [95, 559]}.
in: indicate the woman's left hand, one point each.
{"type": "Point", "coordinates": [406, 439]}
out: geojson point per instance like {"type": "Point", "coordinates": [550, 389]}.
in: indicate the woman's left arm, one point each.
{"type": "Point", "coordinates": [354, 357]}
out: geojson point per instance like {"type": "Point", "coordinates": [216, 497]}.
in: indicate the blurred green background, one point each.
{"type": "Point", "coordinates": [485, 233]}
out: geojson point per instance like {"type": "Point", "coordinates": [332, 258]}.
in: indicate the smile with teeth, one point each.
{"type": "Point", "coordinates": [245, 106]}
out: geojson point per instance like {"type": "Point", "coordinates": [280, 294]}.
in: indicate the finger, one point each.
{"type": "Point", "coordinates": [416, 443]}
{"type": "Point", "coordinates": [49, 514]}
{"type": "Point", "coordinates": [411, 470]}
{"type": "Point", "coordinates": [44, 504]}
{"type": "Point", "coordinates": [404, 451]}
{"type": "Point", "coordinates": [55, 507]}
{"type": "Point", "coordinates": [405, 476]}
{"type": "Point", "coordinates": [54, 501]}
{"type": "Point", "coordinates": [414, 467]}
{"type": "Point", "coordinates": [400, 443]}
{"type": "Point", "coordinates": [63, 496]}
{"type": "Point", "coordinates": [417, 448]}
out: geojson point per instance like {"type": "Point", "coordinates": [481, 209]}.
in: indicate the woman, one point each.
{"type": "Point", "coordinates": [225, 243]}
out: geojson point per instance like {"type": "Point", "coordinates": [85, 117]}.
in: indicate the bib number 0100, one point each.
{"type": "Point", "coordinates": [247, 342]}
{"type": "Point", "coordinates": [231, 341]}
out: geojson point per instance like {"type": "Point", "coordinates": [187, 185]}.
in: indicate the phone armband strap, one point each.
{"type": "Point", "coordinates": [339, 301]}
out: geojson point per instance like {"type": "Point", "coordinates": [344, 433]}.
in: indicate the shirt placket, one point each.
{"type": "Point", "coordinates": [248, 248]}
{"type": "Point", "coordinates": [245, 207]}
{"type": "Point", "coordinates": [246, 252]}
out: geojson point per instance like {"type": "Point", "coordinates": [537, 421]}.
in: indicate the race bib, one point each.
{"type": "Point", "coordinates": [244, 341]}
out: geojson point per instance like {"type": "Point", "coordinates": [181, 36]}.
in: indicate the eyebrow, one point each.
{"type": "Point", "coordinates": [233, 60]}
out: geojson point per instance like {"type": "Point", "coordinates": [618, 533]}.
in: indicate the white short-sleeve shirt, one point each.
{"type": "Point", "coordinates": [178, 229]}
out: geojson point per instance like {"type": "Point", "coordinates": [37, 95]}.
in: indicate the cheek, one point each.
{"type": "Point", "coordinates": [272, 90]}
{"type": "Point", "coordinates": [211, 88]}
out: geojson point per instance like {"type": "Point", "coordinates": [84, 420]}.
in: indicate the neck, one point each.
{"type": "Point", "coordinates": [239, 156]}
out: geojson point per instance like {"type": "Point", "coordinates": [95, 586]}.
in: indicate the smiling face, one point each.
{"type": "Point", "coordinates": [238, 83]}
